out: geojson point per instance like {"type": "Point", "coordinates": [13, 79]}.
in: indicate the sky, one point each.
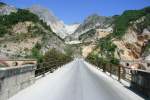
{"type": "Point", "coordinates": [75, 11]}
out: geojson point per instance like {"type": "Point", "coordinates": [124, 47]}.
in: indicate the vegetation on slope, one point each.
{"type": "Point", "coordinates": [38, 27]}
{"type": "Point", "coordinates": [123, 22]}
{"type": "Point", "coordinates": [35, 53]}
{"type": "Point", "coordinates": [2, 4]}
{"type": "Point", "coordinates": [87, 34]}
{"type": "Point", "coordinates": [104, 56]}
{"type": "Point", "coordinates": [7, 21]}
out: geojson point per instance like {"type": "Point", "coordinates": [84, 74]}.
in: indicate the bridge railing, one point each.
{"type": "Point", "coordinates": [126, 73]}
{"type": "Point", "coordinates": [138, 79]}
{"type": "Point", "coordinates": [119, 71]}
{"type": "Point", "coordinates": [43, 68]}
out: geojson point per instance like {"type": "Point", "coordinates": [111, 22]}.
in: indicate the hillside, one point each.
{"type": "Point", "coordinates": [57, 25]}
{"type": "Point", "coordinates": [21, 32]}
{"type": "Point", "coordinates": [129, 39]}
{"type": "Point", "coordinates": [92, 22]}
{"type": "Point", "coordinates": [6, 9]}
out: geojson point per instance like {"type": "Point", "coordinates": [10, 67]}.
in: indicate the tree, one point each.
{"type": "Point", "coordinates": [54, 59]}
{"type": "Point", "coordinates": [107, 49]}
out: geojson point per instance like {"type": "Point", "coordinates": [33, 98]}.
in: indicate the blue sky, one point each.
{"type": "Point", "coordinates": [71, 11]}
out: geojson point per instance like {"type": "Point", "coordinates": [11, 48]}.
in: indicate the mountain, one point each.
{"type": "Point", "coordinates": [36, 30]}
{"type": "Point", "coordinates": [24, 34]}
{"type": "Point", "coordinates": [6, 9]}
{"type": "Point", "coordinates": [130, 36]}
{"type": "Point", "coordinates": [56, 25]}
{"type": "Point", "coordinates": [48, 17]}
{"type": "Point", "coordinates": [92, 22]}
{"type": "Point", "coordinates": [71, 28]}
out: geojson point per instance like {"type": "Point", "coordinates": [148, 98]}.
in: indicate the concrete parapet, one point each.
{"type": "Point", "coordinates": [14, 79]}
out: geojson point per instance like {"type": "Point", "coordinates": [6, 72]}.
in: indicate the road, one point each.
{"type": "Point", "coordinates": [77, 80]}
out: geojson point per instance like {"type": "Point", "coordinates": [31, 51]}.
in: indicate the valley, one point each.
{"type": "Point", "coordinates": [36, 26]}
{"type": "Point", "coordinates": [101, 57]}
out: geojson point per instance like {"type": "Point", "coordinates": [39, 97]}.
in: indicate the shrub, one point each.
{"type": "Point", "coordinates": [35, 53]}
{"type": "Point", "coordinates": [52, 60]}
{"type": "Point", "coordinates": [55, 58]}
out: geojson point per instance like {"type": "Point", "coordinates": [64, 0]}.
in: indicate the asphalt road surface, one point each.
{"type": "Point", "coordinates": [77, 80]}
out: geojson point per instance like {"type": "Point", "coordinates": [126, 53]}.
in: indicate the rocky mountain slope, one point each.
{"type": "Point", "coordinates": [56, 25]}
{"type": "Point", "coordinates": [92, 22]}
{"type": "Point", "coordinates": [130, 36]}
{"type": "Point", "coordinates": [95, 34]}
{"type": "Point", "coordinates": [71, 28]}
{"type": "Point", "coordinates": [6, 9]}
{"type": "Point", "coordinates": [23, 33]}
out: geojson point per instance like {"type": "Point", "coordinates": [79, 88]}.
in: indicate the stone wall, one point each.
{"type": "Point", "coordinates": [14, 79]}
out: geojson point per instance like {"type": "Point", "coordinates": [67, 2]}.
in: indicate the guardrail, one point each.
{"type": "Point", "coordinates": [139, 79]}
{"type": "Point", "coordinates": [119, 71]}
{"type": "Point", "coordinates": [126, 73]}
{"type": "Point", "coordinates": [43, 68]}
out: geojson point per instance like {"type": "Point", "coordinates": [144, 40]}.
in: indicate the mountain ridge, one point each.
{"type": "Point", "coordinates": [91, 22]}
{"type": "Point", "coordinates": [56, 24]}
{"type": "Point", "coordinates": [21, 31]}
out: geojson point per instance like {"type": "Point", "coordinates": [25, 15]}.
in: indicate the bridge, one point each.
{"type": "Point", "coordinates": [77, 80]}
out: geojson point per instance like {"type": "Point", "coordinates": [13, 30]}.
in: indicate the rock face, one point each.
{"type": "Point", "coordinates": [56, 25]}
{"type": "Point", "coordinates": [133, 43]}
{"type": "Point", "coordinates": [86, 50]}
{"type": "Point", "coordinates": [95, 34]}
{"type": "Point", "coordinates": [91, 22]}
{"type": "Point", "coordinates": [21, 37]}
{"type": "Point", "coordinates": [22, 40]}
{"type": "Point", "coordinates": [48, 17]}
{"type": "Point", "coordinates": [6, 9]}
{"type": "Point", "coordinates": [71, 28]}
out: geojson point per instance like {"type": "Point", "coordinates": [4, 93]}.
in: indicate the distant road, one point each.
{"type": "Point", "coordinates": [77, 80]}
